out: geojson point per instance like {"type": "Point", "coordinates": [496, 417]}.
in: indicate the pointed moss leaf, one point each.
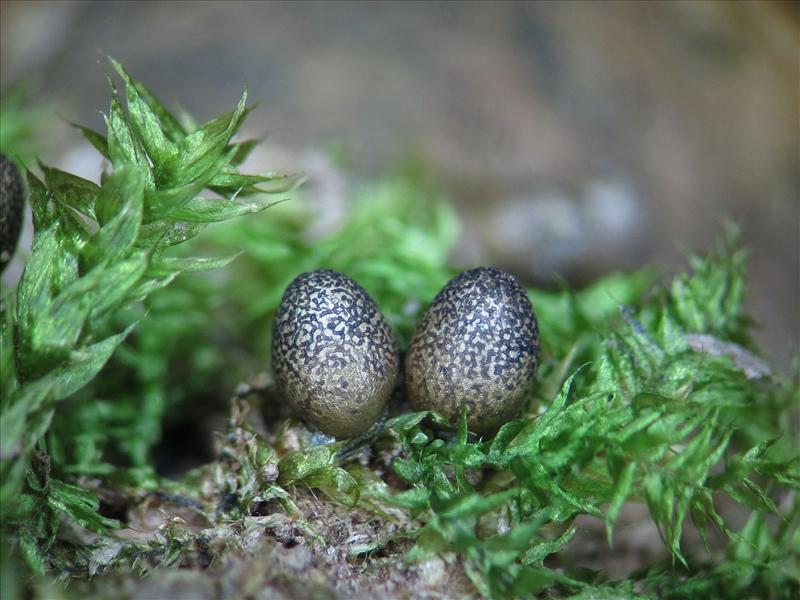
{"type": "Point", "coordinates": [430, 542]}
{"type": "Point", "coordinates": [116, 236]}
{"type": "Point", "coordinates": [15, 468]}
{"type": "Point", "coordinates": [60, 326]}
{"type": "Point", "coordinates": [161, 234]}
{"type": "Point", "coordinates": [34, 291]}
{"type": "Point", "coordinates": [659, 499]}
{"type": "Point", "coordinates": [563, 395]}
{"type": "Point", "coordinates": [8, 379]}
{"type": "Point", "coordinates": [16, 506]}
{"type": "Point", "coordinates": [623, 485]}
{"type": "Point", "coordinates": [696, 450]}
{"type": "Point", "coordinates": [409, 470]}
{"type": "Point", "coordinates": [557, 420]}
{"type": "Point", "coordinates": [475, 504]}
{"type": "Point", "coordinates": [37, 424]}
{"type": "Point", "coordinates": [627, 435]}
{"type": "Point", "coordinates": [12, 428]}
{"type": "Point", "coordinates": [44, 214]}
{"type": "Point", "coordinates": [118, 280]}
{"type": "Point", "coordinates": [125, 185]}
{"type": "Point", "coordinates": [517, 540]}
{"type": "Point", "coordinates": [25, 400]}
{"type": "Point", "coordinates": [568, 499]}
{"type": "Point", "coordinates": [503, 438]}
{"type": "Point", "coordinates": [407, 421]}
{"type": "Point", "coordinates": [300, 465]}
{"type": "Point", "coordinates": [767, 503]}
{"type": "Point", "coordinates": [31, 553]}
{"type": "Point", "coordinates": [739, 468]}
{"type": "Point", "coordinates": [461, 432]}
{"type": "Point", "coordinates": [744, 495]}
{"type": "Point", "coordinates": [73, 376]}
{"type": "Point", "coordinates": [702, 506]}
{"type": "Point", "coordinates": [419, 439]}
{"type": "Point", "coordinates": [644, 353]}
{"type": "Point", "coordinates": [80, 504]}
{"type": "Point", "coordinates": [531, 580]}
{"type": "Point", "coordinates": [757, 452]}
{"type": "Point", "coordinates": [671, 334]}
{"type": "Point", "coordinates": [230, 181]}
{"type": "Point", "coordinates": [164, 203]}
{"type": "Point", "coordinates": [58, 330]}
{"type": "Point", "coordinates": [620, 369]}
{"type": "Point", "coordinates": [144, 287]}
{"type": "Point", "coordinates": [211, 210]}
{"type": "Point", "coordinates": [675, 528]}
{"type": "Point", "coordinates": [162, 151]}
{"type": "Point", "coordinates": [206, 146]}
{"type": "Point", "coordinates": [170, 125]}
{"type": "Point", "coordinates": [124, 146]}
{"type": "Point", "coordinates": [709, 300]}
{"type": "Point", "coordinates": [415, 499]}
{"type": "Point", "coordinates": [97, 140]}
{"type": "Point", "coordinates": [536, 553]}
{"type": "Point", "coordinates": [34, 294]}
{"type": "Point", "coordinates": [167, 203]}
{"type": "Point", "coordinates": [243, 150]}
{"type": "Point", "coordinates": [165, 266]}
{"type": "Point", "coordinates": [469, 457]}
{"type": "Point", "coordinates": [337, 484]}
{"type": "Point", "coordinates": [74, 191]}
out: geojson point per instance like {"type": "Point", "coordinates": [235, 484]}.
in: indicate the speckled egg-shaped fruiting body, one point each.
{"type": "Point", "coordinates": [477, 344]}
{"type": "Point", "coordinates": [12, 203]}
{"type": "Point", "coordinates": [334, 356]}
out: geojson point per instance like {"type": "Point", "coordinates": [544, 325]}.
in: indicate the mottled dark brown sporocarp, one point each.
{"type": "Point", "coordinates": [12, 203]}
{"type": "Point", "coordinates": [334, 356]}
{"type": "Point", "coordinates": [477, 344]}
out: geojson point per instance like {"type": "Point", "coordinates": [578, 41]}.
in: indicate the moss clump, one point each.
{"type": "Point", "coordinates": [629, 409]}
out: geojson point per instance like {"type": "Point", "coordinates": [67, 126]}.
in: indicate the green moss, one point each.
{"type": "Point", "coordinates": [110, 345]}
{"type": "Point", "coordinates": [81, 279]}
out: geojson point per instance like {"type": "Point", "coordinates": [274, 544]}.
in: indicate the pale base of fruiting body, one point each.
{"type": "Point", "coordinates": [477, 346]}
{"type": "Point", "coordinates": [345, 403]}
{"type": "Point", "coordinates": [333, 354]}
{"type": "Point", "coordinates": [488, 407]}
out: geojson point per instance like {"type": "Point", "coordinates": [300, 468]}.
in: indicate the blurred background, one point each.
{"type": "Point", "coordinates": [573, 138]}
